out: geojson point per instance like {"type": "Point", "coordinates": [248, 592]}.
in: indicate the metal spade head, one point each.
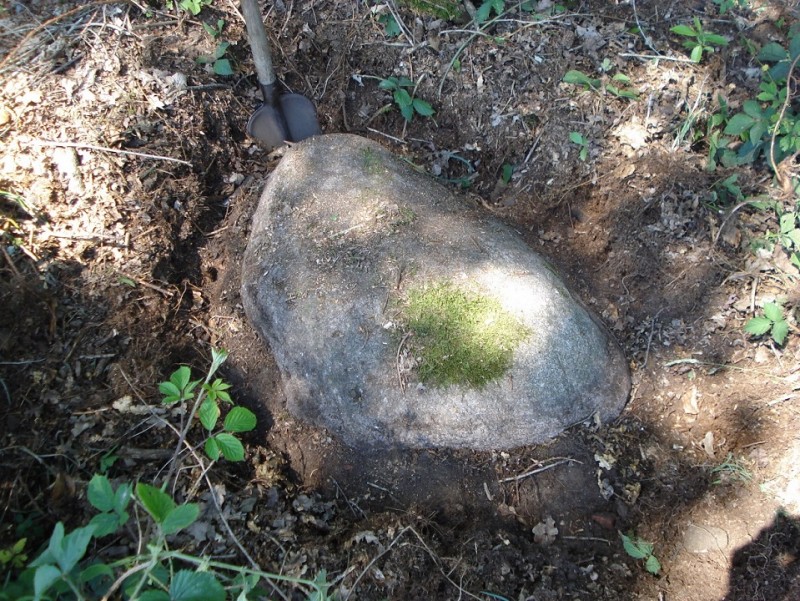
{"type": "Point", "coordinates": [292, 118]}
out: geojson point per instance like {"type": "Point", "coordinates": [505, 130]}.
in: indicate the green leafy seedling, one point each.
{"type": "Point", "coordinates": [194, 6]}
{"type": "Point", "coordinates": [222, 443]}
{"type": "Point", "coordinates": [772, 320]}
{"type": "Point", "coordinates": [405, 100]}
{"type": "Point", "coordinates": [219, 64]}
{"type": "Point", "coordinates": [113, 504]}
{"type": "Point", "coordinates": [485, 10]}
{"type": "Point", "coordinates": [63, 553]}
{"type": "Point", "coordinates": [170, 516]}
{"type": "Point", "coordinates": [215, 30]}
{"type": "Point", "coordinates": [788, 234]}
{"type": "Point", "coordinates": [582, 142]}
{"type": "Point", "coordinates": [579, 78]}
{"type": "Point", "coordinates": [639, 549]}
{"type": "Point", "coordinates": [615, 85]}
{"type": "Point", "coordinates": [616, 88]}
{"type": "Point", "coordinates": [239, 419]}
{"type": "Point", "coordinates": [505, 174]}
{"type": "Point", "coordinates": [180, 386]}
{"type": "Point", "coordinates": [14, 556]}
{"type": "Point", "coordinates": [390, 26]}
{"type": "Point", "coordinates": [700, 41]}
{"type": "Point", "coordinates": [726, 5]}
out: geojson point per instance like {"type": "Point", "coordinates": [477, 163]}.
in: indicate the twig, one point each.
{"type": "Point", "coordinates": [406, 31]}
{"type": "Point", "coordinates": [660, 57]}
{"type": "Point", "coordinates": [592, 538]}
{"type": "Point", "coordinates": [142, 155]}
{"type": "Point", "coordinates": [141, 282]}
{"type": "Point", "coordinates": [730, 214]}
{"type": "Point", "coordinates": [650, 337]}
{"type": "Point", "coordinates": [10, 262]}
{"type": "Point", "coordinates": [26, 362]}
{"type": "Point", "coordinates": [539, 470]}
{"type": "Point", "coordinates": [647, 39]}
{"type": "Point", "coordinates": [397, 361]}
{"type": "Point", "coordinates": [377, 131]}
{"type": "Point", "coordinates": [5, 389]}
{"type": "Point", "coordinates": [350, 504]}
{"type": "Point", "coordinates": [428, 550]}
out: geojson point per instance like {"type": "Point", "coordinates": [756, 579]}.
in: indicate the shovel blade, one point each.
{"type": "Point", "coordinates": [267, 126]}
{"type": "Point", "coordinates": [300, 117]}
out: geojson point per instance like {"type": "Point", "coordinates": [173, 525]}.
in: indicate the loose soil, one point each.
{"type": "Point", "coordinates": [128, 183]}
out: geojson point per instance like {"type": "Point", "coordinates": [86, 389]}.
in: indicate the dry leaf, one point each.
{"type": "Point", "coordinates": [545, 532]}
{"type": "Point", "coordinates": [690, 405]}
{"type": "Point", "coordinates": [708, 444]}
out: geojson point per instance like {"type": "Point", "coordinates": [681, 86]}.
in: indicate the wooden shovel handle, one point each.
{"type": "Point", "coordinates": [258, 43]}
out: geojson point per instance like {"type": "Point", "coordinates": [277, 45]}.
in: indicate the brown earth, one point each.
{"type": "Point", "coordinates": [116, 267]}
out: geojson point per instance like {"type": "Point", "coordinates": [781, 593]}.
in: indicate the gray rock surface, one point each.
{"type": "Point", "coordinates": [342, 230]}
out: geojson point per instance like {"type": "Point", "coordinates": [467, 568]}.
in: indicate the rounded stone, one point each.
{"type": "Point", "coordinates": [344, 230]}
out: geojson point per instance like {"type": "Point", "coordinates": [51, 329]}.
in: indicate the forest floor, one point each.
{"type": "Point", "coordinates": [127, 185]}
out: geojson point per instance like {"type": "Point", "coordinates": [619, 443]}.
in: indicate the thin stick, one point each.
{"type": "Point", "coordinates": [592, 538]}
{"type": "Point", "coordinates": [730, 214]}
{"type": "Point", "coordinates": [141, 282]}
{"type": "Point", "coordinates": [142, 155]}
{"type": "Point", "coordinates": [650, 337]}
{"type": "Point", "coordinates": [397, 361]}
{"type": "Point", "coordinates": [27, 362]}
{"type": "Point", "coordinates": [539, 470]}
{"type": "Point", "coordinates": [676, 59]}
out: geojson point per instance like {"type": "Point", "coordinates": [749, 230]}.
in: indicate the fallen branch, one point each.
{"type": "Point", "coordinates": [539, 470]}
{"type": "Point", "coordinates": [142, 155]}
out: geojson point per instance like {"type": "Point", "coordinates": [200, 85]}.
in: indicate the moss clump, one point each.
{"type": "Point", "coordinates": [461, 338]}
{"type": "Point", "coordinates": [441, 9]}
{"type": "Point", "coordinates": [372, 161]}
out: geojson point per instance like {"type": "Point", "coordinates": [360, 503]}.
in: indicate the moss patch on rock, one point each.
{"type": "Point", "coordinates": [462, 338]}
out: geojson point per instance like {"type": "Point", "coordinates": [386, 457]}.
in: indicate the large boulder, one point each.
{"type": "Point", "coordinates": [399, 315]}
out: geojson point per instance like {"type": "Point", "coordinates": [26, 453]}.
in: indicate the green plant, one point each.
{"type": "Point", "coordinates": [180, 387]}
{"type": "Point", "coordinates": [505, 173]}
{"type": "Point", "coordinates": [194, 6]}
{"type": "Point", "coordinates": [405, 100]}
{"type": "Point", "coordinates": [220, 64]}
{"type": "Point", "coordinates": [14, 556]}
{"type": "Point", "coordinates": [462, 338]}
{"type": "Point", "coordinates": [390, 25]}
{"type": "Point", "coordinates": [771, 320]}
{"type": "Point", "coordinates": [788, 234]}
{"type": "Point", "coordinates": [485, 10]}
{"type": "Point", "coordinates": [582, 142]}
{"type": "Point", "coordinates": [215, 30]}
{"type": "Point", "coordinates": [767, 124]}
{"type": "Point", "coordinates": [639, 549]}
{"type": "Point", "coordinates": [70, 567]}
{"type": "Point", "coordinates": [726, 191]}
{"type": "Point", "coordinates": [63, 571]}
{"type": "Point", "coordinates": [612, 85]}
{"type": "Point", "coordinates": [731, 469]}
{"type": "Point", "coordinates": [726, 5]}
{"type": "Point", "coordinates": [700, 41]}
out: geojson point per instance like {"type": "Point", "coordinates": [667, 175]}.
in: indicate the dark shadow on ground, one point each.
{"type": "Point", "coordinates": [768, 569]}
